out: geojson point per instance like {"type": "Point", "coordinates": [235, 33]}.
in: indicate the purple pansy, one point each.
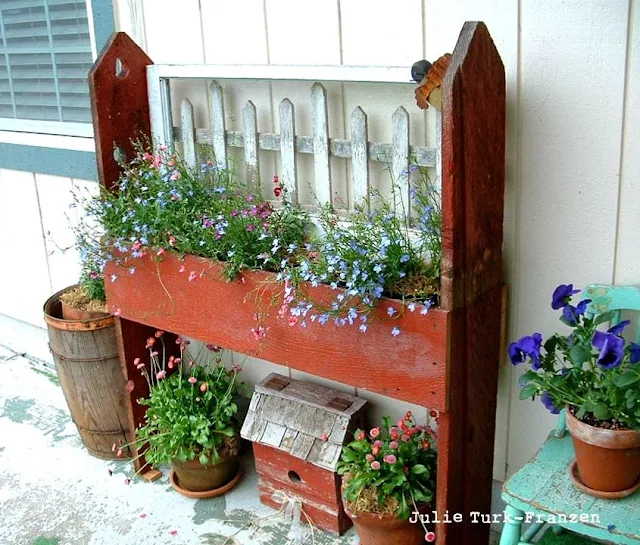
{"type": "Point", "coordinates": [634, 353]}
{"type": "Point", "coordinates": [611, 349]}
{"type": "Point", "coordinates": [561, 296]}
{"type": "Point", "coordinates": [548, 402]}
{"type": "Point", "coordinates": [529, 345]}
{"type": "Point", "coordinates": [619, 328]}
{"type": "Point", "coordinates": [571, 313]}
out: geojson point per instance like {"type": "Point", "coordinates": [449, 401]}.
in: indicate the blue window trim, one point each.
{"type": "Point", "coordinates": [63, 162]}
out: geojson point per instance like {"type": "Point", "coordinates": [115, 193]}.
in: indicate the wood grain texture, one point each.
{"type": "Point", "coordinates": [411, 366]}
{"type": "Point", "coordinates": [113, 123]}
{"type": "Point", "coordinates": [473, 171]}
{"type": "Point", "coordinates": [218, 124]}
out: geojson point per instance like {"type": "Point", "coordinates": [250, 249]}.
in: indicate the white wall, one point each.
{"type": "Point", "coordinates": [573, 116]}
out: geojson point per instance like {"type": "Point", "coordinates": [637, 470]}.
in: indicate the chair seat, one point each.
{"type": "Point", "coordinates": [543, 487]}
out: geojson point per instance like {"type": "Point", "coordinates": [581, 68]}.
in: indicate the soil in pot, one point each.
{"type": "Point", "coordinates": [608, 459]}
{"type": "Point", "coordinates": [76, 305]}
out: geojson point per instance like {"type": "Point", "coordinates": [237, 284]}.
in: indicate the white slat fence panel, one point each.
{"type": "Point", "coordinates": [359, 157]}
{"type": "Point", "coordinates": [321, 158]}
{"type": "Point", "coordinates": [159, 107]}
{"type": "Point", "coordinates": [250, 131]}
{"type": "Point", "coordinates": [288, 149]}
{"type": "Point", "coordinates": [400, 159]}
{"type": "Point", "coordinates": [188, 133]}
{"type": "Point", "coordinates": [218, 133]}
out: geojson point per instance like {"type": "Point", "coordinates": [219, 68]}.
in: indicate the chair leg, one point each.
{"type": "Point", "coordinates": [512, 531]}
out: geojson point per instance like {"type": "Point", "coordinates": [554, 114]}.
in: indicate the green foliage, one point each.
{"type": "Point", "coordinates": [161, 203]}
{"type": "Point", "coordinates": [191, 413]}
{"type": "Point", "coordinates": [394, 465]}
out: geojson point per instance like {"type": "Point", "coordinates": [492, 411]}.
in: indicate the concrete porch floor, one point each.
{"type": "Point", "coordinates": [52, 492]}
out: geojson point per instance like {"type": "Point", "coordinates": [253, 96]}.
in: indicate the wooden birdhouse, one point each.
{"type": "Point", "coordinates": [298, 430]}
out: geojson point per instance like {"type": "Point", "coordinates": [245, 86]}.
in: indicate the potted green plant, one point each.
{"type": "Point", "coordinates": [190, 419]}
{"type": "Point", "coordinates": [595, 374]}
{"type": "Point", "coordinates": [388, 474]}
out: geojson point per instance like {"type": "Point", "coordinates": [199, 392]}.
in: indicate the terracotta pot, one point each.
{"type": "Point", "coordinates": [386, 529]}
{"type": "Point", "coordinates": [194, 476]}
{"type": "Point", "coordinates": [608, 460]}
{"type": "Point", "coordinates": [70, 313]}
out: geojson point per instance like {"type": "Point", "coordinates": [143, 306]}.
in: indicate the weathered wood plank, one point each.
{"type": "Point", "coordinates": [378, 151]}
{"type": "Point", "coordinates": [400, 160]}
{"type": "Point", "coordinates": [302, 446]}
{"type": "Point", "coordinates": [321, 157]}
{"type": "Point", "coordinates": [288, 149]}
{"type": "Point", "coordinates": [415, 370]}
{"type": "Point", "coordinates": [250, 133]}
{"type": "Point", "coordinates": [273, 434]}
{"type": "Point", "coordinates": [359, 158]}
{"type": "Point", "coordinates": [188, 133]}
{"type": "Point", "coordinates": [218, 132]}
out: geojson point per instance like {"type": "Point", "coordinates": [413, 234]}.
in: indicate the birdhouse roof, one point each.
{"type": "Point", "coordinates": [303, 419]}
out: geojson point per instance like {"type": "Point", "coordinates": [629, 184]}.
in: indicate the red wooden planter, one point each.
{"type": "Point", "coordinates": [446, 360]}
{"type": "Point", "coordinates": [411, 366]}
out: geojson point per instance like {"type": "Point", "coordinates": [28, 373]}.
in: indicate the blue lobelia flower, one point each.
{"type": "Point", "coordinates": [548, 402]}
{"type": "Point", "coordinates": [634, 353]}
{"type": "Point", "coordinates": [529, 345]}
{"type": "Point", "coordinates": [571, 313]}
{"type": "Point", "coordinates": [561, 296]}
{"type": "Point", "coordinates": [618, 328]}
{"type": "Point", "coordinates": [611, 349]}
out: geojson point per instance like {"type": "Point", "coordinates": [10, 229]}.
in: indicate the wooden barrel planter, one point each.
{"type": "Point", "coordinates": [85, 353]}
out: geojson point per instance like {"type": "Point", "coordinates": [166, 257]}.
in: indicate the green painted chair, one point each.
{"type": "Point", "coordinates": [542, 493]}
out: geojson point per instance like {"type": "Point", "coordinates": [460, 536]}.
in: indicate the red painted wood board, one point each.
{"type": "Point", "coordinates": [330, 519]}
{"type": "Point", "coordinates": [411, 367]}
{"type": "Point", "coordinates": [309, 480]}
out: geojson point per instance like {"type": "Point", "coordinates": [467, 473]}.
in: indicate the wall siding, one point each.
{"type": "Point", "coordinates": [573, 121]}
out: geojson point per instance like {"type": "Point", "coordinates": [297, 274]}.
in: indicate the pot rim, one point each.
{"type": "Point", "coordinates": [601, 437]}
{"type": "Point", "coordinates": [73, 325]}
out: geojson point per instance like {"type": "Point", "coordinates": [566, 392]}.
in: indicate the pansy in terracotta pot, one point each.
{"type": "Point", "coordinates": [388, 474]}
{"type": "Point", "coordinates": [594, 373]}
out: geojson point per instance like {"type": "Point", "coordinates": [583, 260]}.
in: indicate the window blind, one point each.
{"type": "Point", "coordinates": [45, 55]}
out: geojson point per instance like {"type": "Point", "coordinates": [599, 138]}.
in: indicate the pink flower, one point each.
{"type": "Point", "coordinates": [174, 532]}
{"type": "Point", "coordinates": [119, 453]}
{"type": "Point", "coordinates": [405, 437]}
{"type": "Point", "coordinates": [157, 161]}
{"type": "Point", "coordinates": [375, 465]}
{"type": "Point", "coordinates": [178, 360]}
{"type": "Point", "coordinates": [374, 432]}
{"type": "Point", "coordinates": [93, 275]}
{"type": "Point", "coordinates": [236, 368]}
{"type": "Point", "coordinates": [408, 416]}
{"type": "Point", "coordinates": [390, 459]}
{"type": "Point", "coordinates": [378, 444]}
{"type": "Point", "coordinates": [393, 445]}
{"type": "Point", "coordinates": [170, 364]}
{"type": "Point", "coordinates": [430, 537]}
{"type": "Point", "coordinates": [117, 312]}
{"type": "Point", "coordinates": [161, 251]}
{"type": "Point", "coordinates": [204, 387]}
{"type": "Point", "coordinates": [129, 386]}
{"type": "Point", "coordinates": [369, 458]}
{"type": "Point", "coordinates": [214, 347]}
{"type": "Point", "coordinates": [182, 268]}
{"type": "Point", "coordinates": [158, 334]}
{"type": "Point", "coordinates": [250, 227]}
{"type": "Point", "coordinates": [192, 275]}
{"type": "Point", "coordinates": [277, 191]}
{"type": "Point", "coordinates": [127, 482]}
{"type": "Point", "coordinates": [375, 451]}
{"type": "Point", "coordinates": [193, 380]}
{"type": "Point", "coordinates": [360, 436]}
{"type": "Point", "coordinates": [178, 340]}
{"type": "Point", "coordinates": [275, 179]}
{"type": "Point", "coordinates": [172, 240]}
{"type": "Point", "coordinates": [154, 353]}
{"type": "Point", "coordinates": [293, 320]}
{"type": "Point", "coordinates": [143, 515]}
{"type": "Point", "coordinates": [175, 176]}
{"type": "Point", "coordinates": [161, 374]}
{"type": "Point", "coordinates": [324, 437]}
{"type": "Point", "coordinates": [113, 447]}
{"type": "Point", "coordinates": [136, 361]}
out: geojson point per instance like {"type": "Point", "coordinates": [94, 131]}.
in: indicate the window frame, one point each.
{"type": "Point", "coordinates": [58, 158]}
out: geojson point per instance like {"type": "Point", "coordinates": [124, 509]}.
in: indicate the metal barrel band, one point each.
{"type": "Point", "coordinates": [86, 360]}
{"type": "Point", "coordinates": [100, 432]}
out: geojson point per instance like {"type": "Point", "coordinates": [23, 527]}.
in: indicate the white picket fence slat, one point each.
{"type": "Point", "coordinates": [218, 134]}
{"type": "Point", "coordinates": [397, 155]}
